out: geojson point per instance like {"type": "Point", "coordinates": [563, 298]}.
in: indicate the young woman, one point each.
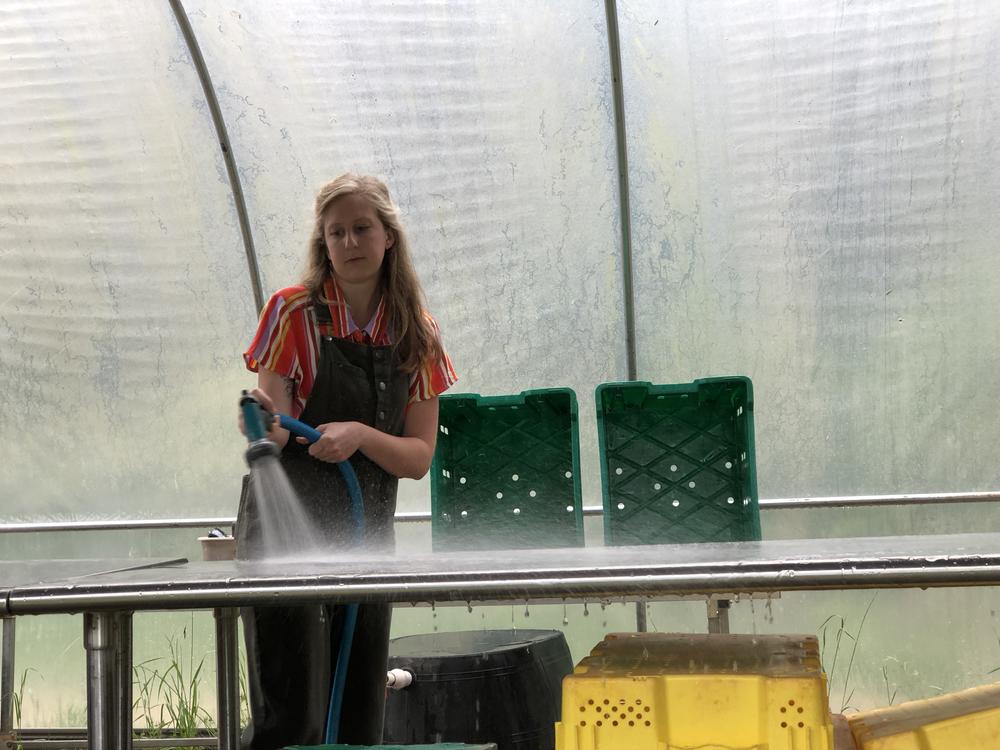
{"type": "Point", "coordinates": [352, 352]}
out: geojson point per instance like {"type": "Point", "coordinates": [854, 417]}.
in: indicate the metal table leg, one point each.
{"type": "Point", "coordinates": [640, 617]}
{"type": "Point", "coordinates": [7, 678]}
{"type": "Point", "coordinates": [227, 677]}
{"type": "Point", "coordinates": [718, 615]}
{"type": "Point", "coordinates": [123, 678]}
{"type": "Point", "coordinates": [98, 640]}
{"type": "Point", "coordinates": [107, 636]}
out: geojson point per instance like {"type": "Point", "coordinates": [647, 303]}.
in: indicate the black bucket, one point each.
{"type": "Point", "coordinates": [502, 686]}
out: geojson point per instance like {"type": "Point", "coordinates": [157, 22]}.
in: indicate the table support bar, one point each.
{"type": "Point", "coordinates": [107, 637]}
{"type": "Point", "coordinates": [227, 675]}
{"type": "Point", "coordinates": [7, 678]}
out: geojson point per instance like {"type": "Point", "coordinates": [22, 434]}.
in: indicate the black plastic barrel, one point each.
{"type": "Point", "coordinates": [502, 686]}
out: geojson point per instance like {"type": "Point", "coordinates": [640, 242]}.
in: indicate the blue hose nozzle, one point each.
{"type": "Point", "coordinates": [253, 418]}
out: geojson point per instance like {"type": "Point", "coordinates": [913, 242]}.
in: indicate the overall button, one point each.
{"type": "Point", "coordinates": [378, 355]}
{"type": "Point", "coordinates": [381, 385]}
{"type": "Point", "coordinates": [381, 415]}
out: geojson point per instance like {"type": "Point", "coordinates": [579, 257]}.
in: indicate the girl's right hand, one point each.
{"type": "Point", "coordinates": [263, 399]}
{"type": "Point", "coordinates": [274, 392]}
{"type": "Point", "coordinates": [266, 402]}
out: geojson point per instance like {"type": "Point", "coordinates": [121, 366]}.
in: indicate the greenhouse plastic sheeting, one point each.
{"type": "Point", "coordinates": [814, 189]}
{"type": "Point", "coordinates": [126, 294]}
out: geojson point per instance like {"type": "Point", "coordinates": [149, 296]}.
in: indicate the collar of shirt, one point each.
{"type": "Point", "coordinates": [343, 324]}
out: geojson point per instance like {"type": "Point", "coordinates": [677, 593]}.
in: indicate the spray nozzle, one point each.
{"type": "Point", "coordinates": [256, 420]}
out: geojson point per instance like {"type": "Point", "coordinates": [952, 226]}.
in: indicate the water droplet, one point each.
{"type": "Point", "coordinates": [586, 612]}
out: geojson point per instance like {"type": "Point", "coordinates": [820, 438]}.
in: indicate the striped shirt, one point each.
{"type": "Point", "coordinates": [288, 335]}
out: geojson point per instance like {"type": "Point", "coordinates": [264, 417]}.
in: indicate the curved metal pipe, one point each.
{"type": "Point", "coordinates": [625, 210]}
{"type": "Point", "coordinates": [227, 152]}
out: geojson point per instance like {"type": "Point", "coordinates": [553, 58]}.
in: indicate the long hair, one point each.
{"type": "Point", "coordinates": [404, 300]}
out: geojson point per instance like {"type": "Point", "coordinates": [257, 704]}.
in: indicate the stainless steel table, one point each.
{"type": "Point", "coordinates": [571, 574]}
{"type": "Point", "coordinates": [18, 573]}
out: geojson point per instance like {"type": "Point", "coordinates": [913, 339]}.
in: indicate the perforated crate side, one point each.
{"type": "Point", "coordinates": [607, 712]}
{"type": "Point", "coordinates": [678, 462]}
{"type": "Point", "coordinates": [506, 472]}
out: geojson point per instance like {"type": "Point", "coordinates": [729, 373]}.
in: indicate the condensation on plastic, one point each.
{"type": "Point", "coordinates": [814, 191]}
{"type": "Point", "coordinates": [124, 292]}
{"type": "Point", "coordinates": [491, 123]}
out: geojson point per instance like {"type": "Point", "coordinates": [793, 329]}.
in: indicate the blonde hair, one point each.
{"type": "Point", "coordinates": [412, 335]}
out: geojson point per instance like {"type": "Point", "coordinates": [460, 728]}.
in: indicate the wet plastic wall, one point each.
{"type": "Point", "coordinates": [127, 294]}
{"type": "Point", "coordinates": [812, 188]}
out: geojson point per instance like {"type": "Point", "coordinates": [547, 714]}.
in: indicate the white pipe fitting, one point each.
{"type": "Point", "coordinates": [397, 679]}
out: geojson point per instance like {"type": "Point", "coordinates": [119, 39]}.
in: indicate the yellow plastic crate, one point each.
{"type": "Point", "coordinates": [663, 691]}
{"type": "Point", "coordinates": [968, 720]}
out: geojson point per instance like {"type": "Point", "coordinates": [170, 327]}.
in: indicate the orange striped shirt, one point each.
{"type": "Point", "coordinates": [288, 336]}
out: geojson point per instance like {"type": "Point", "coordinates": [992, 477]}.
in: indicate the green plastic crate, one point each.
{"type": "Point", "coordinates": [678, 462]}
{"type": "Point", "coordinates": [506, 472]}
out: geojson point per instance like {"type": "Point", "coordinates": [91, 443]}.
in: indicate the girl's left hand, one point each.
{"type": "Point", "coordinates": [340, 441]}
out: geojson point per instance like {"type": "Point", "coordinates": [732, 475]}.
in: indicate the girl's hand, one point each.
{"type": "Point", "coordinates": [339, 442]}
{"type": "Point", "coordinates": [264, 399]}
{"type": "Point", "coordinates": [268, 404]}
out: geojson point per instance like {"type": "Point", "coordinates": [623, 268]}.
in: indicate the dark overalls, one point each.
{"type": "Point", "coordinates": [292, 650]}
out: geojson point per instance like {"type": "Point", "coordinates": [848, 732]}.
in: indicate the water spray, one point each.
{"type": "Point", "coordinates": [256, 421]}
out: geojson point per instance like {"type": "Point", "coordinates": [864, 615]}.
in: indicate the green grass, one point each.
{"type": "Point", "coordinates": [167, 692]}
{"type": "Point", "coordinates": [17, 703]}
{"type": "Point", "coordinates": [834, 642]}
